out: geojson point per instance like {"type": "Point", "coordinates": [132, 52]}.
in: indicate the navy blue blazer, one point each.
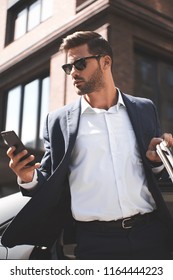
{"type": "Point", "coordinates": [42, 219]}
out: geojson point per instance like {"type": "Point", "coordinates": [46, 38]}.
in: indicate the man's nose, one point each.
{"type": "Point", "coordinates": [74, 71]}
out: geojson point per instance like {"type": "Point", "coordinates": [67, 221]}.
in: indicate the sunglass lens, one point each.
{"type": "Point", "coordinates": [80, 64]}
{"type": "Point", "coordinates": [67, 68]}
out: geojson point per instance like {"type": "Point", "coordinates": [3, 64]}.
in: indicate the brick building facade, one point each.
{"type": "Point", "coordinates": [140, 33]}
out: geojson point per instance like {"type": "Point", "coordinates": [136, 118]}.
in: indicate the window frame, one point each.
{"type": "Point", "coordinates": [161, 63]}
{"type": "Point", "coordinates": [12, 14]}
{"type": "Point", "coordinates": [40, 79]}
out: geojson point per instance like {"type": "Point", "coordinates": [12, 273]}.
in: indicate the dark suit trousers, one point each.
{"type": "Point", "coordinates": [142, 242]}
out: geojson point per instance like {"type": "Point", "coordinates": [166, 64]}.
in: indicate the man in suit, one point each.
{"type": "Point", "coordinates": [100, 167]}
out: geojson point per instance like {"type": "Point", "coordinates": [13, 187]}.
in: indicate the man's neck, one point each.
{"type": "Point", "coordinates": [102, 99]}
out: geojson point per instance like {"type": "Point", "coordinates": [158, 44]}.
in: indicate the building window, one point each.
{"type": "Point", "coordinates": [154, 80]}
{"type": "Point", "coordinates": [27, 107]}
{"type": "Point", "coordinates": [22, 18]}
{"type": "Point", "coordinates": [34, 17]}
{"type": "Point", "coordinates": [20, 24]}
{"type": "Point", "coordinates": [13, 109]}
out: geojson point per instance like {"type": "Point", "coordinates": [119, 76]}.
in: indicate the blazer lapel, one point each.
{"type": "Point", "coordinates": [73, 118]}
{"type": "Point", "coordinates": [69, 125]}
{"type": "Point", "coordinates": [133, 113]}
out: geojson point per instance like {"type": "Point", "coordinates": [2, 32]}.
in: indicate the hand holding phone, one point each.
{"type": "Point", "coordinates": [24, 171]}
{"type": "Point", "coordinates": [11, 139]}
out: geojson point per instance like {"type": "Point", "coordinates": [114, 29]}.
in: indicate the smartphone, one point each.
{"type": "Point", "coordinates": [11, 139]}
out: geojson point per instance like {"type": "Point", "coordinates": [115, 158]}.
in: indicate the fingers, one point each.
{"type": "Point", "coordinates": [16, 160]}
{"type": "Point", "coordinates": [21, 166]}
{"type": "Point", "coordinates": [154, 142]}
{"type": "Point", "coordinates": [168, 138]}
{"type": "Point", "coordinates": [10, 151]}
{"type": "Point", "coordinates": [16, 163]}
{"type": "Point", "coordinates": [151, 154]}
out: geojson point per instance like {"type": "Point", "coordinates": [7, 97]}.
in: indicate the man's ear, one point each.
{"type": "Point", "coordinates": [107, 61]}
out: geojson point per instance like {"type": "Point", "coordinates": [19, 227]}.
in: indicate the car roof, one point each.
{"type": "Point", "coordinates": [11, 205]}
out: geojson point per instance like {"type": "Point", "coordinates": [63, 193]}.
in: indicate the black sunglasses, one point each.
{"type": "Point", "coordinates": [79, 64]}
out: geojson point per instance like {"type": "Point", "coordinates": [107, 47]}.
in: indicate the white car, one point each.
{"type": "Point", "coordinates": [9, 207]}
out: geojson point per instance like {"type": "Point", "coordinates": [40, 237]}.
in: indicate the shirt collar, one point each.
{"type": "Point", "coordinates": [86, 107]}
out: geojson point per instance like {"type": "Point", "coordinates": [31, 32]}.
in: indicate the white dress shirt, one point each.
{"type": "Point", "coordinates": [107, 179]}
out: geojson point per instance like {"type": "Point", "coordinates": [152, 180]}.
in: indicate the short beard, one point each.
{"type": "Point", "coordinates": [95, 83]}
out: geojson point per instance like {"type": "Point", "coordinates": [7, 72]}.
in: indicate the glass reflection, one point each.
{"type": "Point", "coordinates": [20, 24]}
{"type": "Point", "coordinates": [27, 107]}
{"type": "Point", "coordinates": [13, 109]}
{"type": "Point", "coordinates": [44, 106]}
{"type": "Point", "coordinates": [30, 114]}
{"type": "Point", "coordinates": [47, 8]}
{"type": "Point", "coordinates": [34, 15]}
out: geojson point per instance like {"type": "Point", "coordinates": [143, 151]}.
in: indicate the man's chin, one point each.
{"type": "Point", "coordinates": [80, 93]}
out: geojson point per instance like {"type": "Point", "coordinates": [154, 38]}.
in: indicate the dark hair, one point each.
{"type": "Point", "coordinates": [96, 43]}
